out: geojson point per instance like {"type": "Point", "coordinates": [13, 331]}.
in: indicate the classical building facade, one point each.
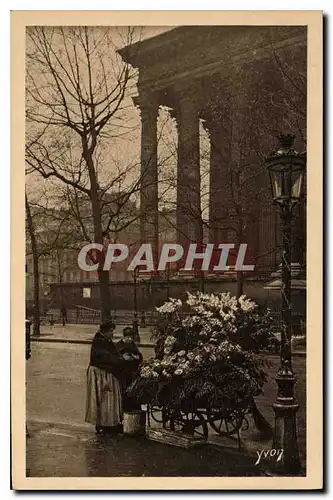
{"type": "Point", "coordinates": [246, 84]}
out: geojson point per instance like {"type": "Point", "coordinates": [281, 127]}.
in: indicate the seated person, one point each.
{"type": "Point", "coordinates": [132, 357]}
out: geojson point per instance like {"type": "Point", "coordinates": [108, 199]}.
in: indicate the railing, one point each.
{"type": "Point", "coordinates": [83, 314]}
{"type": "Point", "coordinates": [87, 315]}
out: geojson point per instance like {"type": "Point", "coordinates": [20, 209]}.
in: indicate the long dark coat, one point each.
{"type": "Point", "coordinates": [104, 355]}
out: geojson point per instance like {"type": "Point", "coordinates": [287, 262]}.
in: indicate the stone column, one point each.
{"type": "Point", "coordinates": [219, 192]}
{"type": "Point", "coordinates": [149, 173]}
{"type": "Point", "coordinates": [189, 223]}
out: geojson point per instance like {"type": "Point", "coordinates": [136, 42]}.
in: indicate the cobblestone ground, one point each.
{"type": "Point", "coordinates": [64, 454]}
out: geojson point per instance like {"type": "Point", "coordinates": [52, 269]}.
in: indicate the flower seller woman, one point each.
{"type": "Point", "coordinates": [104, 400]}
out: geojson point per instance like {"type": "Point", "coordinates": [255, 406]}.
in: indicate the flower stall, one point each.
{"type": "Point", "coordinates": [207, 368]}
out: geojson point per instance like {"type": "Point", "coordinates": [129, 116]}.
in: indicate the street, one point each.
{"type": "Point", "coordinates": [56, 378]}
{"type": "Point", "coordinates": [56, 375]}
{"type": "Point", "coordinates": [60, 454]}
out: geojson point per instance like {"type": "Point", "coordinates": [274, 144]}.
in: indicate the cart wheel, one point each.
{"type": "Point", "coordinates": [156, 414]}
{"type": "Point", "coordinates": [159, 415]}
{"type": "Point", "coordinates": [226, 425]}
{"type": "Point", "coordinates": [192, 423]}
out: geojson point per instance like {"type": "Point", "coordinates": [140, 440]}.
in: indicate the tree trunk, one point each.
{"type": "Point", "coordinates": [103, 276]}
{"type": "Point", "coordinates": [36, 323]}
{"type": "Point", "coordinates": [202, 282]}
{"type": "Point", "coordinates": [240, 284]}
{"type": "Point", "coordinates": [105, 298]}
{"type": "Point", "coordinates": [239, 274]}
{"type": "Point", "coordinates": [62, 299]}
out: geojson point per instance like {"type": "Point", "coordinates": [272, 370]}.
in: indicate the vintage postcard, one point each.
{"type": "Point", "coordinates": [166, 250]}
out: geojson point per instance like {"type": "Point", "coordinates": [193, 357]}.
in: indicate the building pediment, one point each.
{"type": "Point", "coordinates": [193, 52]}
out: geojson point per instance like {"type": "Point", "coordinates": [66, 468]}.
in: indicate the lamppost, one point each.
{"type": "Point", "coordinates": [135, 319]}
{"type": "Point", "coordinates": [286, 170]}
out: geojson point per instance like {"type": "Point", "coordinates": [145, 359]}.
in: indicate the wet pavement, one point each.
{"type": "Point", "coordinates": [56, 375]}
{"type": "Point", "coordinates": [56, 452]}
{"type": "Point", "coordinates": [56, 381]}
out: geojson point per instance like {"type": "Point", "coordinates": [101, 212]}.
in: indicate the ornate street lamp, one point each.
{"type": "Point", "coordinates": [286, 170]}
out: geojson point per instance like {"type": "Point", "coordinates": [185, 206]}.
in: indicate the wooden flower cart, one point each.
{"type": "Point", "coordinates": [196, 422]}
{"type": "Point", "coordinates": [196, 417]}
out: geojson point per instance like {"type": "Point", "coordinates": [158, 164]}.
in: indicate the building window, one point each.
{"type": "Point", "coordinates": [86, 293]}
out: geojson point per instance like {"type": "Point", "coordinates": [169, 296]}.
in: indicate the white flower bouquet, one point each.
{"type": "Point", "coordinates": [207, 353]}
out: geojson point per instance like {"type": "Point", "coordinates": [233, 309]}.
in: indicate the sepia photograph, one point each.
{"type": "Point", "coordinates": [169, 184]}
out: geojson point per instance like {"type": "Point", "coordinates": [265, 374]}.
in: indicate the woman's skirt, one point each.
{"type": "Point", "coordinates": [104, 402]}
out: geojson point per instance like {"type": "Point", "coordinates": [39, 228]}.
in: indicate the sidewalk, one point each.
{"type": "Point", "coordinates": [67, 451]}
{"type": "Point", "coordinates": [83, 334]}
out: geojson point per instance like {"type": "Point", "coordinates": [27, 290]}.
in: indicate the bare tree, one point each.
{"type": "Point", "coordinates": [76, 102]}
{"type": "Point", "coordinates": [35, 263]}
{"type": "Point", "coordinates": [51, 233]}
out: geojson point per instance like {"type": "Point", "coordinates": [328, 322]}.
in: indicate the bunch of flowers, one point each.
{"type": "Point", "coordinates": [207, 352]}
